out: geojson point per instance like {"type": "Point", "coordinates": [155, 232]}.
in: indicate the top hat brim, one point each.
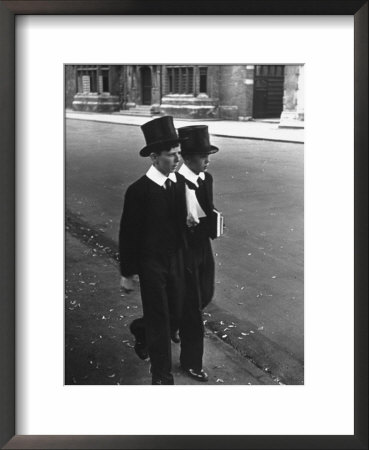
{"type": "Point", "coordinates": [154, 146]}
{"type": "Point", "coordinates": [206, 151]}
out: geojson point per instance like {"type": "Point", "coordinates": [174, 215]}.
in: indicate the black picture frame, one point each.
{"type": "Point", "coordinates": [8, 11]}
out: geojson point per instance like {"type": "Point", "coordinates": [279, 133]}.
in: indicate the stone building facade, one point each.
{"type": "Point", "coordinates": [233, 92]}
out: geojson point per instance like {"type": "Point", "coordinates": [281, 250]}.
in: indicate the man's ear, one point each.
{"type": "Point", "coordinates": [153, 156]}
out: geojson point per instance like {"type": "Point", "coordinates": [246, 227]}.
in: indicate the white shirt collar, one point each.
{"type": "Point", "coordinates": [157, 177]}
{"type": "Point", "coordinates": [189, 175]}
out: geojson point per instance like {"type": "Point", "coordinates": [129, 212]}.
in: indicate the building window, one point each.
{"type": "Point", "coordinates": [93, 79]}
{"type": "Point", "coordinates": [180, 80]}
{"type": "Point", "coordinates": [203, 80]}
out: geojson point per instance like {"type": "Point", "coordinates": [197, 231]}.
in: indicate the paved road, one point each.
{"type": "Point", "coordinates": [259, 188]}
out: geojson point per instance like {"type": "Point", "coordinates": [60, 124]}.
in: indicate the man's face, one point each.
{"type": "Point", "coordinates": [167, 161]}
{"type": "Point", "coordinates": [198, 163]}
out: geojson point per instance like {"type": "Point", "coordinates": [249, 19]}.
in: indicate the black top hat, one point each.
{"type": "Point", "coordinates": [158, 132]}
{"type": "Point", "coordinates": [196, 140]}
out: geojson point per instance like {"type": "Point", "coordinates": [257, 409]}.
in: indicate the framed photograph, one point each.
{"type": "Point", "coordinates": [278, 96]}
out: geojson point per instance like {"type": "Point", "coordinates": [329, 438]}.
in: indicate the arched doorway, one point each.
{"type": "Point", "coordinates": [268, 91]}
{"type": "Point", "coordinates": [146, 85]}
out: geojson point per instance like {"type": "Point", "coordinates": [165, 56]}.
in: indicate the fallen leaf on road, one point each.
{"type": "Point", "coordinates": [245, 334]}
{"type": "Point", "coordinates": [240, 337]}
{"type": "Point", "coordinates": [111, 376]}
{"type": "Point", "coordinates": [224, 336]}
{"type": "Point", "coordinates": [261, 328]}
{"type": "Point", "coordinates": [274, 276]}
{"type": "Point", "coordinates": [219, 380]}
{"type": "Point", "coordinates": [252, 331]}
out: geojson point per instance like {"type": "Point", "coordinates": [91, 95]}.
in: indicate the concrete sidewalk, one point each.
{"type": "Point", "coordinates": [98, 344]}
{"type": "Point", "coordinates": [223, 128]}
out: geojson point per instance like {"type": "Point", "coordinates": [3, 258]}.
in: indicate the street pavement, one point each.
{"type": "Point", "coordinates": [258, 130]}
{"type": "Point", "coordinates": [256, 316]}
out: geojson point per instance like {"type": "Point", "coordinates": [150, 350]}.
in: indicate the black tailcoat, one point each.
{"type": "Point", "coordinates": [147, 227]}
{"type": "Point", "coordinates": [151, 244]}
{"type": "Point", "coordinates": [200, 278]}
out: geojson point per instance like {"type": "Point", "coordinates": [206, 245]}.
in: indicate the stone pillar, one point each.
{"type": "Point", "coordinates": [300, 95]}
{"type": "Point", "coordinates": [196, 81]}
{"type": "Point", "coordinates": [293, 114]}
{"type": "Point", "coordinates": [155, 81]}
{"type": "Point", "coordinates": [249, 84]}
{"type": "Point", "coordinates": [132, 89]}
{"type": "Point", "coordinates": [155, 91]}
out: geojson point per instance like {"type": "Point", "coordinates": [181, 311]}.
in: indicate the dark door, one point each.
{"type": "Point", "coordinates": [146, 85]}
{"type": "Point", "coordinates": [268, 91]}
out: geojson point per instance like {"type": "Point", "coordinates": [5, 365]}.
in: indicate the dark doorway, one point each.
{"type": "Point", "coordinates": [146, 85]}
{"type": "Point", "coordinates": [268, 91]}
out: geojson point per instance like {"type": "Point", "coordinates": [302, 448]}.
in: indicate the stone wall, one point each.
{"type": "Point", "coordinates": [70, 85]}
{"type": "Point", "coordinates": [234, 93]}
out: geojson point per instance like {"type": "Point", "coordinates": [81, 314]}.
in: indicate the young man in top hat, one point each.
{"type": "Point", "coordinates": [151, 244]}
{"type": "Point", "coordinates": [196, 150]}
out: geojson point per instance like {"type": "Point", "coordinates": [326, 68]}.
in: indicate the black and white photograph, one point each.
{"type": "Point", "coordinates": [184, 224]}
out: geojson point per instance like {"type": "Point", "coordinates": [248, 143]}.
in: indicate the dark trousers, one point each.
{"type": "Point", "coordinates": [199, 293]}
{"type": "Point", "coordinates": [162, 293]}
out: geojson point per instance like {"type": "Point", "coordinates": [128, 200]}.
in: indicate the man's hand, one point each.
{"type": "Point", "coordinates": [126, 284]}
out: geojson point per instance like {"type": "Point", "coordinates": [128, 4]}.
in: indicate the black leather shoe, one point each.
{"type": "Point", "coordinates": [141, 350]}
{"type": "Point", "coordinates": [198, 375]}
{"type": "Point", "coordinates": [175, 337]}
{"type": "Point", "coordinates": [166, 381]}
{"type": "Point", "coordinates": [137, 328]}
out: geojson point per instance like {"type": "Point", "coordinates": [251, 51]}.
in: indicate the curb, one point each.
{"type": "Point", "coordinates": [254, 138]}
